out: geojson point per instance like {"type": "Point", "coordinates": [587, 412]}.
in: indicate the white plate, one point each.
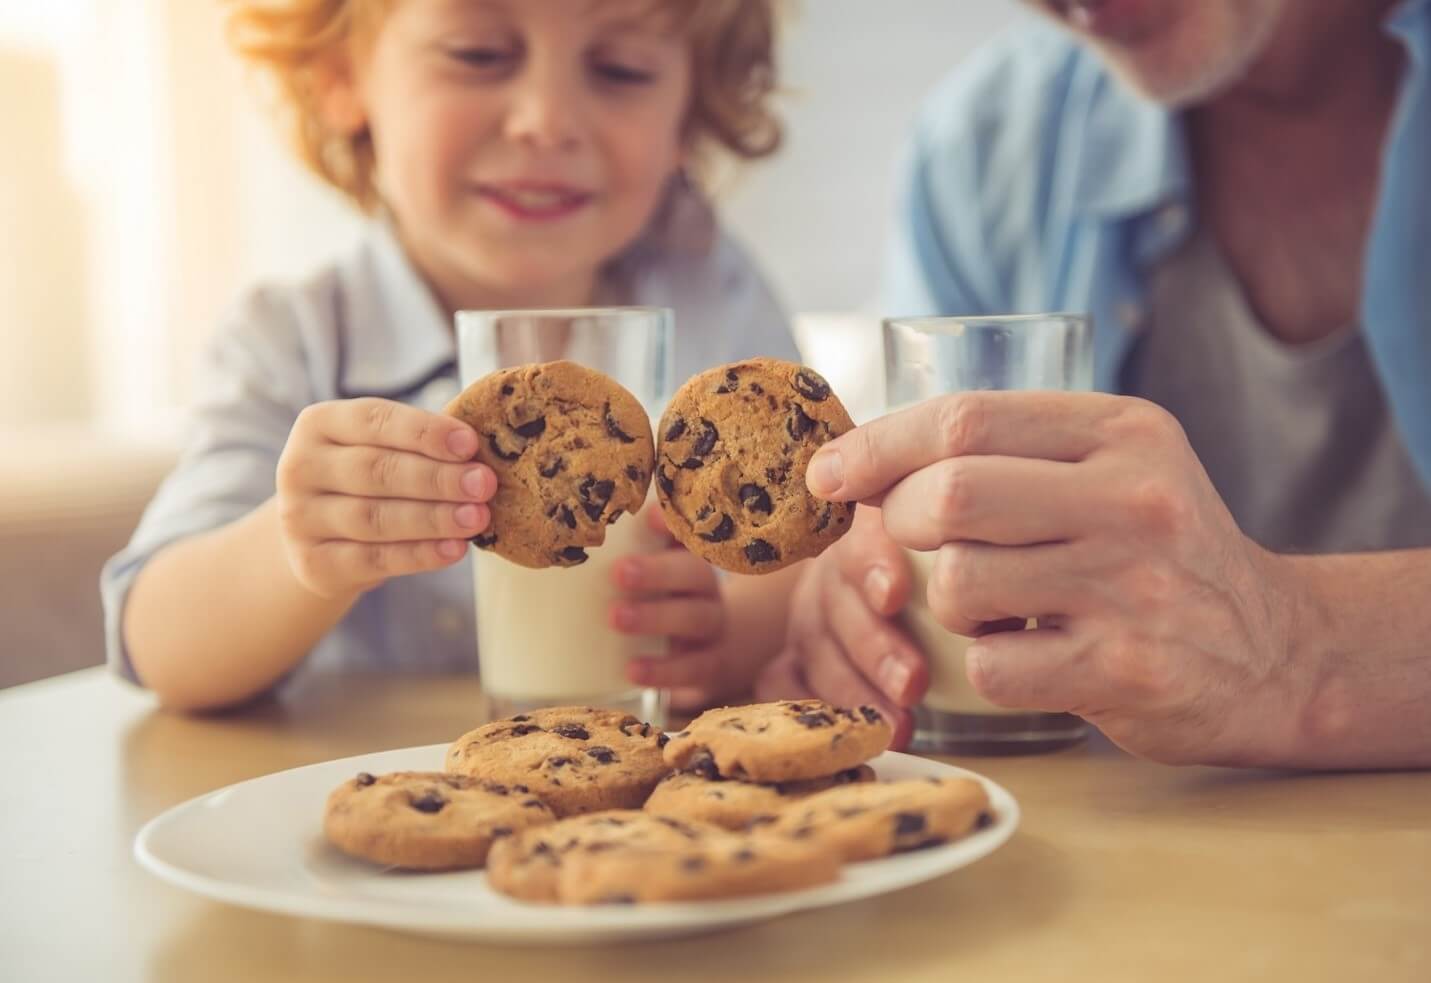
{"type": "Point", "coordinates": [259, 844]}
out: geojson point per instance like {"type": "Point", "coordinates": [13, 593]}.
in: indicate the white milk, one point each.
{"type": "Point", "coordinates": [949, 687]}
{"type": "Point", "coordinates": [545, 634]}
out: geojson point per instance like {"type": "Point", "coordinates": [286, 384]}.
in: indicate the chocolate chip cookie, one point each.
{"type": "Point", "coordinates": [624, 857]}
{"type": "Point", "coordinates": [572, 451]}
{"type": "Point", "coordinates": [791, 740]}
{"type": "Point", "coordinates": [877, 819]}
{"type": "Point", "coordinates": [427, 820]}
{"type": "Point", "coordinates": [731, 454]}
{"type": "Point", "coordinates": [529, 867]}
{"type": "Point", "coordinates": [736, 805]}
{"type": "Point", "coordinates": [575, 759]}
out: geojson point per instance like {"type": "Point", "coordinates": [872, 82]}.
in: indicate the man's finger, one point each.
{"type": "Point", "coordinates": [1041, 669]}
{"type": "Point", "coordinates": [1010, 501]}
{"type": "Point", "coordinates": [869, 460]}
{"type": "Point", "coordinates": [869, 559]}
{"type": "Point", "coordinates": [881, 651]}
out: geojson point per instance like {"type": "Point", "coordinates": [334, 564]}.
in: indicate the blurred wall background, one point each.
{"type": "Point", "coordinates": [142, 186]}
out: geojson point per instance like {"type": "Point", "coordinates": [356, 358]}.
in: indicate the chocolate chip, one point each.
{"type": "Point", "coordinates": [429, 802]}
{"type": "Point", "coordinates": [507, 390]}
{"type": "Point", "coordinates": [731, 383]}
{"type": "Point", "coordinates": [520, 789]}
{"type": "Point", "coordinates": [824, 519]}
{"type": "Point", "coordinates": [811, 386]}
{"type": "Point", "coordinates": [603, 755]}
{"type": "Point", "coordinates": [908, 823]}
{"type": "Point", "coordinates": [574, 732]}
{"type": "Point", "coordinates": [603, 490]}
{"type": "Point", "coordinates": [803, 833]}
{"type": "Point", "coordinates": [757, 388]}
{"type": "Point", "coordinates": [933, 841]}
{"type": "Point", "coordinates": [615, 514]}
{"type": "Point", "coordinates": [559, 761]}
{"type": "Point", "coordinates": [592, 510]}
{"type": "Point", "coordinates": [484, 540]}
{"type": "Point", "coordinates": [534, 804]}
{"type": "Point", "coordinates": [691, 463]}
{"type": "Point", "coordinates": [755, 498]}
{"type": "Point", "coordinates": [759, 551]}
{"type": "Point", "coordinates": [706, 442]}
{"type": "Point", "coordinates": [618, 899]}
{"type": "Point", "coordinates": [635, 473]}
{"type": "Point", "coordinates": [614, 428]}
{"type": "Point", "coordinates": [848, 775]}
{"type": "Point", "coordinates": [519, 718]}
{"type": "Point", "coordinates": [364, 779]}
{"type": "Point", "coordinates": [495, 789]}
{"type": "Point", "coordinates": [984, 820]}
{"type": "Point", "coordinates": [798, 425]}
{"type": "Point", "coordinates": [703, 764]}
{"type": "Point", "coordinates": [704, 512]}
{"type": "Point", "coordinates": [693, 863]}
{"type": "Point", "coordinates": [500, 831]}
{"type": "Point", "coordinates": [572, 556]}
{"type": "Point", "coordinates": [721, 532]}
{"type": "Point", "coordinates": [677, 427]}
{"type": "Point", "coordinates": [814, 720]}
{"type": "Point", "coordinates": [744, 855]}
{"type": "Point", "coordinates": [552, 469]}
{"type": "Point", "coordinates": [532, 428]}
{"type": "Point", "coordinates": [871, 715]}
{"type": "Point", "coordinates": [780, 475]}
{"type": "Point", "coordinates": [664, 482]}
{"type": "Point", "coordinates": [662, 740]}
{"type": "Point", "coordinates": [568, 518]}
{"type": "Point", "coordinates": [523, 730]}
{"type": "Point", "coordinates": [679, 827]}
{"type": "Point", "coordinates": [496, 449]}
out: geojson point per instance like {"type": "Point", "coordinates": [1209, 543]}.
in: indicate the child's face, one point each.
{"type": "Point", "coordinates": [522, 143]}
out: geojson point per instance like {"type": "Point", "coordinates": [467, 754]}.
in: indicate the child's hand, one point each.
{"type": "Point", "coordinates": [676, 594]}
{"type": "Point", "coordinates": [370, 489]}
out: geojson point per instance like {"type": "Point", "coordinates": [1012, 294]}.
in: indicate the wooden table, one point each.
{"type": "Point", "coordinates": [1122, 870]}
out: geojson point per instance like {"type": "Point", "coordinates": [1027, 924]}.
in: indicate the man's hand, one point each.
{"type": "Point", "coordinates": [1160, 622]}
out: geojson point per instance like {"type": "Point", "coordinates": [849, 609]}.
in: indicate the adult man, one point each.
{"type": "Point", "coordinates": [1278, 322]}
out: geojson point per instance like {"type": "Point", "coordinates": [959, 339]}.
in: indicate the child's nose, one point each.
{"type": "Point", "coordinates": [545, 110]}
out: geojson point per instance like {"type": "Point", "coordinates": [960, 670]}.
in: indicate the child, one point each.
{"type": "Point", "coordinates": [514, 153]}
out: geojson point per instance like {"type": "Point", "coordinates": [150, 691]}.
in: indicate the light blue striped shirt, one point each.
{"type": "Point", "coordinates": [369, 326]}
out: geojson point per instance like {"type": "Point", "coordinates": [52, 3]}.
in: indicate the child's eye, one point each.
{"type": "Point", "coordinates": [622, 74]}
{"type": "Point", "coordinates": [482, 57]}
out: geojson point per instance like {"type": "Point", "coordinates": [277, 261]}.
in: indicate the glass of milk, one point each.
{"type": "Point", "coordinates": [925, 357]}
{"type": "Point", "coordinates": [544, 636]}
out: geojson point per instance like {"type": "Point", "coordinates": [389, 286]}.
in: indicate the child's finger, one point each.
{"type": "Point", "coordinates": [656, 522]}
{"type": "Point", "coordinates": [373, 422]}
{"type": "Point", "coordinates": [697, 669]}
{"type": "Point", "coordinates": [362, 564]}
{"type": "Point", "coordinates": [376, 472]}
{"type": "Point", "coordinates": [687, 619]}
{"type": "Point", "coordinates": [667, 572]}
{"type": "Point", "coordinates": [392, 520]}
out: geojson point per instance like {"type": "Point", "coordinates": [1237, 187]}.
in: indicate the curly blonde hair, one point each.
{"type": "Point", "coordinates": [733, 78]}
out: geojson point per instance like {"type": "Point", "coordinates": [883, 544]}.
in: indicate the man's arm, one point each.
{"type": "Point", "coordinates": [1364, 622]}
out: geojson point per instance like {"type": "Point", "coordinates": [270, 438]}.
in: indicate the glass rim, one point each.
{"type": "Point", "coordinates": [475, 313]}
{"type": "Point", "coordinates": [983, 320]}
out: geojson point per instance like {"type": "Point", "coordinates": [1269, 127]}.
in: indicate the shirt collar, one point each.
{"type": "Point", "coordinates": [395, 336]}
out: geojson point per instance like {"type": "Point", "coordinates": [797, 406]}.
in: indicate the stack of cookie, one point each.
{"type": "Point", "coordinates": [578, 805]}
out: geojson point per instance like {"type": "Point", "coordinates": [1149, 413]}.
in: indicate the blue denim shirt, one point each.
{"type": "Point", "coordinates": [369, 326]}
{"type": "Point", "coordinates": [1038, 182]}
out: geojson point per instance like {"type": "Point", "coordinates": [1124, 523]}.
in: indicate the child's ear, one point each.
{"type": "Point", "coordinates": [339, 99]}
